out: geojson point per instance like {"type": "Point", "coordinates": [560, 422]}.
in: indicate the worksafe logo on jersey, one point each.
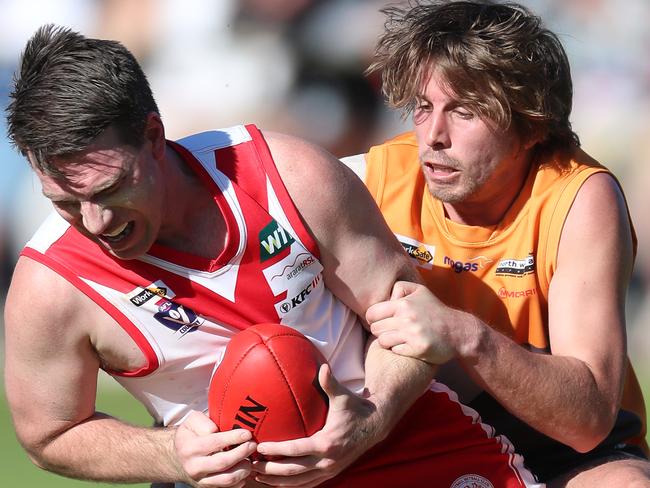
{"type": "Point", "coordinates": [516, 267]}
{"type": "Point", "coordinates": [299, 299]}
{"type": "Point", "coordinates": [471, 481]}
{"type": "Point", "coordinates": [423, 254]}
{"type": "Point", "coordinates": [273, 239]}
{"type": "Point", "coordinates": [158, 289]}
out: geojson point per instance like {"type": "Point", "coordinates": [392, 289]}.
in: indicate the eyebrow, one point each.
{"type": "Point", "coordinates": [110, 184]}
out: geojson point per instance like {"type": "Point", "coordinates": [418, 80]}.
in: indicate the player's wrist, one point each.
{"type": "Point", "coordinates": [178, 473]}
{"type": "Point", "coordinates": [378, 413]}
{"type": "Point", "coordinates": [472, 337]}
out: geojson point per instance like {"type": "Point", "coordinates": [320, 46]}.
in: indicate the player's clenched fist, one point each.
{"type": "Point", "coordinates": [202, 455]}
{"type": "Point", "coordinates": [415, 323]}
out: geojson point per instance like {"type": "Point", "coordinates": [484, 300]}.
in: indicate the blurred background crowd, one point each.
{"type": "Point", "coordinates": [297, 66]}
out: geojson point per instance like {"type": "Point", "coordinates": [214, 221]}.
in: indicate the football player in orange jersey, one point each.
{"type": "Point", "coordinates": [530, 243]}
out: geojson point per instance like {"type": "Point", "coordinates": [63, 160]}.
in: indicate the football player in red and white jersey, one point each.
{"type": "Point", "coordinates": [159, 251]}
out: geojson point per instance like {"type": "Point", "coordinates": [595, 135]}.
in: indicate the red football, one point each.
{"type": "Point", "coordinates": [267, 383]}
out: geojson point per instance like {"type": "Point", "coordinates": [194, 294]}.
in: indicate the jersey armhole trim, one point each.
{"type": "Point", "coordinates": [375, 172]}
{"type": "Point", "coordinates": [357, 163]}
{"type": "Point", "coordinates": [557, 220]}
{"type": "Point", "coordinates": [119, 317]}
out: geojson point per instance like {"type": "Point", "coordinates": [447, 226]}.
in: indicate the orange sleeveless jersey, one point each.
{"type": "Point", "coordinates": [500, 274]}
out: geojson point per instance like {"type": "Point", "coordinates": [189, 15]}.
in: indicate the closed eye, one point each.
{"type": "Point", "coordinates": [464, 114]}
{"type": "Point", "coordinates": [109, 190]}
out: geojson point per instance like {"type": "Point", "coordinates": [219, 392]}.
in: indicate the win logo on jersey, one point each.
{"type": "Point", "coordinates": [273, 239]}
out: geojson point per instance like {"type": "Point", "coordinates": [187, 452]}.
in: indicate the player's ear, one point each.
{"type": "Point", "coordinates": [154, 134]}
{"type": "Point", "coordinates": [534, 137]}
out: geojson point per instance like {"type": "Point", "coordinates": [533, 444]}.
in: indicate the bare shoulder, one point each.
{"type": "Point", "coordinates": [601, 195]}
{"type": "Point", "coordinates": [290, 147]}
{"type": "Point", "coordinates": [45, 314]}
{"type": "Point", "coordinates": [598, 214]}
{"type": "Point", "coordinates": [301, 162]}
{"type": "Point", "coordinates": [37, 291]}
{"type": "Point", "coordinates": [360, 255]}
{"type": "Point", "coordinates": [325, 191]}
{"type": "Point", "coordinates": [280, 141]}
{"type": "Point", "coordinates": [597, 236]}
{"type": "Point", "coordinates": [43, 311]}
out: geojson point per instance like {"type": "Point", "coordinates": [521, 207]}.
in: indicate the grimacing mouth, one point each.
{"type": "Point", "coordinates": [118, 233]}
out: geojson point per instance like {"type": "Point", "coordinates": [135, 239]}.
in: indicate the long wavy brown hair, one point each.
{"type": "Point", "coordinates": [497, 59]}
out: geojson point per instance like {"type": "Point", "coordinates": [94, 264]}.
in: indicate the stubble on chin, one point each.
{"type": "Point", "coordinates": [459, 192]}
{"type": "Point", "coordinates": [445, 195]}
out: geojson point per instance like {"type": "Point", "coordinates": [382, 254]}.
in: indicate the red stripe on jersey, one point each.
{"type": "Point", "coordinates": [125, 323]}
{"type": "Point", "coordinates": [93, 263]}
{"type": "Point", "coordinates": [232, 236]}
{"type": "Point", "coordinates": [264, 156]}
{"type": "Point", "coordinates": [241, 165]}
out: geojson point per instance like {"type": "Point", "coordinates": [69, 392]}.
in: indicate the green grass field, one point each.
{"type": "Point", "coordinates": [17, 470]}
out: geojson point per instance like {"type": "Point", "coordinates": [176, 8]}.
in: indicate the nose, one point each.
{"type": "Point", "coordinates": [94, 217]}
{"type": "Point", "coordinates": [437, 132]}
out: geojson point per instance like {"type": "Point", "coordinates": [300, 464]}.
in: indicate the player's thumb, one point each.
{"type": "Point", "coordinates": [329, 383]}
{"type": "Point", "coordinates": [200, 423]}
{"type": "Point", "coordinates": [402, 289]}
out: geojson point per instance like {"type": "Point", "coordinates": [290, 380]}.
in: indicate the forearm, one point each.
{"type": "Point", "coordinates": [557, 395]}
{"type": "Point", "coordinates": [106, 449]}
{"type": "Point", "coordinates": [394, 382]}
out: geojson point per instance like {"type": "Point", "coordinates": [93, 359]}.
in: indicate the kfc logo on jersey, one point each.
{"type": "Point", "coordinates": [516, 267]}
{"type": "Point", "coordinates": [423, 254]}
{"type": "Point", "coordinates": [178, 318]}
{"type": "Point", "coordinates": [299, 299]}
{"type": "Point", "coordinates": [159, 289]}
{"type": "Point", "coordinates": [273, 239]}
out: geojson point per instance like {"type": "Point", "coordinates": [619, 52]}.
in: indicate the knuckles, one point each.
{"type": "Point", "coordinates": [327, 464]}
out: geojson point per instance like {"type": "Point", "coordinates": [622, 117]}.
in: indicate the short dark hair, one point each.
{"type": "Point", "coordinates": [68, 89]}
{"type": "Point", "coordinates": [497, 58]}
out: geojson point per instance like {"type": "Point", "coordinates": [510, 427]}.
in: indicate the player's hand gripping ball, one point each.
{"type": "Point", "coordinates": [267, 383]}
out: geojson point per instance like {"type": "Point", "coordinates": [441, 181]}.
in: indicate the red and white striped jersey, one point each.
{"type": "Point", "coordinates": [181, 310]}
